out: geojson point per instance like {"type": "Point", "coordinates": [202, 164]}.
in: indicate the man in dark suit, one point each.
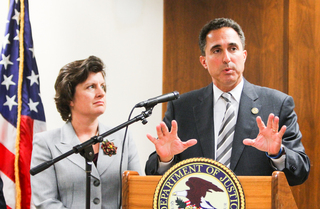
{"type": "Point", "coordinates": [266, 134]}
{"type": "Point", "coordinates": [2, 200]}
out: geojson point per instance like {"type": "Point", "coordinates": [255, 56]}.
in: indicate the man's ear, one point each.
{"type": "Point", "coordinates": [245, 53]}
{"type": "Point", "coordinates": [203, 61]}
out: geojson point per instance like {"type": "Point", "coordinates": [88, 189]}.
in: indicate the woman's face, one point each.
{"type": "Point", "coordinates": [90, 97]}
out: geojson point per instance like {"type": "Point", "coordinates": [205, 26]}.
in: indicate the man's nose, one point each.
{"type": "Point", "coordinates": [226, 58]}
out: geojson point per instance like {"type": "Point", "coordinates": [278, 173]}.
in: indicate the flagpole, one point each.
{"type": "Point", "coordinates": [21, 68]}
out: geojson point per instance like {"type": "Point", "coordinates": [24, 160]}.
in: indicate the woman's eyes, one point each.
{"type": "Point", "coordinates": [104, 87]}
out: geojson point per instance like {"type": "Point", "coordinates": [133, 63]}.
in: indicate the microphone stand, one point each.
{"type": "Point", "coordinates": [86, 150]}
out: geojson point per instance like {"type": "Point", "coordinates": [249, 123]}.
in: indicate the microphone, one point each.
{"type": "Point", "coordinates": [159, 99]}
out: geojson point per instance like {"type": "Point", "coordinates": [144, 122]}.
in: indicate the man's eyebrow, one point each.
{"type": "Point", "coordinates": [233, 44]}
{"type": "Point", "coordinates": [219, 45]}
{"type": "Point", "coordinates": [216, 46]}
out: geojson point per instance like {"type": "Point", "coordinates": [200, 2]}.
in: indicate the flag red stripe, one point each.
{"type": "Point", "coordinates": [7, 165]}
{"type": "Point", "coordinates": [26, 133]}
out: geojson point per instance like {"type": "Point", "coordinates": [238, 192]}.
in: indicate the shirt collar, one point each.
{"type": "Point", "coordinates": [236, 92]}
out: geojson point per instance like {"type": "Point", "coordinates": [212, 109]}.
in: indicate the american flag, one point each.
{"type": "Point", "coordinates": [21, 108]}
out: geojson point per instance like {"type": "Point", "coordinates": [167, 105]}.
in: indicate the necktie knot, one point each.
{"type": "Point", "coordinates": [226, 96]}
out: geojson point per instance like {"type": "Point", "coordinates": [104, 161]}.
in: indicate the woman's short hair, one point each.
{"type": "Point", "coordinates": [69, 77]}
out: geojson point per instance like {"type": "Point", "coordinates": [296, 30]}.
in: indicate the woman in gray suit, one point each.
{"type": "Point", "coordinates": [80, 99]}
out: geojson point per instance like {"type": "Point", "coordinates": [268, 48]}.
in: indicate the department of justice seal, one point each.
{"type": "Point", "coordinates": [199, 183]}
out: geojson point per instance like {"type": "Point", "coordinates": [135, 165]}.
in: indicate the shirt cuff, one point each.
{"type": "Point", "coordinates": [279, 163]}
{"type": "Point", "coordinates": [164, 166]}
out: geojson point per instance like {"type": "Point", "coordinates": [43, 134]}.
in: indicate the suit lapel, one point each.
{"type": "Point", "coordinates": [105, 161]}
{"type": "Point", "coordinates": [245, 122]}
{"type": "Point", "coordinates": [203, 114]}
{"type": "Point", "coordinates": [68, 140]}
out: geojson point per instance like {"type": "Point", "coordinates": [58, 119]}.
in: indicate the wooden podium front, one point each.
{"type": "Point", "coordinates": [261, 192]}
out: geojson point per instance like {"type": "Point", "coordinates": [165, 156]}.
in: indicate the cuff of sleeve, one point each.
{"type": "Point", "coordinates": [279, 164]}
{"type": "Point", "coordinates": [164, 163]}
{"type": "Point", "coordinates": [164, 166]}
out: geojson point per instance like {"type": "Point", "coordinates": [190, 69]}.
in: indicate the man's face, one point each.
{"type": "Point", "coordinates": [224, 58]}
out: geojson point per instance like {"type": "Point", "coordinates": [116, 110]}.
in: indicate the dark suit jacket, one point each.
{"type": "Point", "coordinates": [194, 113]}
{"type": "Point", "coordinates": [2, 201]}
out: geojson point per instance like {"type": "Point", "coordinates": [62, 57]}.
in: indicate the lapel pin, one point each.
{"type": "Point", "coordinates": [255, 110]}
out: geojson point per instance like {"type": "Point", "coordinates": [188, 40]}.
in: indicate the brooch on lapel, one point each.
{"type": "Point", "coordinates": [109, 148]}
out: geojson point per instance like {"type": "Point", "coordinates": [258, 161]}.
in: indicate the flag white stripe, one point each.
{"type": "Point", "coordinates": [7, 134]}
{"type": "Point", "coordinates": [9, 191]}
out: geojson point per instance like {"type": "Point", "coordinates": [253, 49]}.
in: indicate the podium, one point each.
{"type": "Point", "coordinates": [261, 192]}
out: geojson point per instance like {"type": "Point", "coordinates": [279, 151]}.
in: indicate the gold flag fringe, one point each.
{"type": "Point", "coordinates": [21, 68]}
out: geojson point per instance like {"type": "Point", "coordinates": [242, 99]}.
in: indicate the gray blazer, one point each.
{"type": "Point", "coordinates": [194, 114]}
{"type": "Point", "coordinates": [63, 185]}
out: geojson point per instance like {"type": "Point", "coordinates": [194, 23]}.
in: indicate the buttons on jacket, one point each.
{"type": "Point", "coordinates": [96, 201]}
{"type": "Point", "coordinates": [96, 183]}
{"type": "Point", "coordinates": [293, 168]}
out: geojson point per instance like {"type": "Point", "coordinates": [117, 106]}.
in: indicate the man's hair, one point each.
{"type": "Point", "coordinates": [216, 24]}
{"type": "Point", "coordinates": [69, 77]}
